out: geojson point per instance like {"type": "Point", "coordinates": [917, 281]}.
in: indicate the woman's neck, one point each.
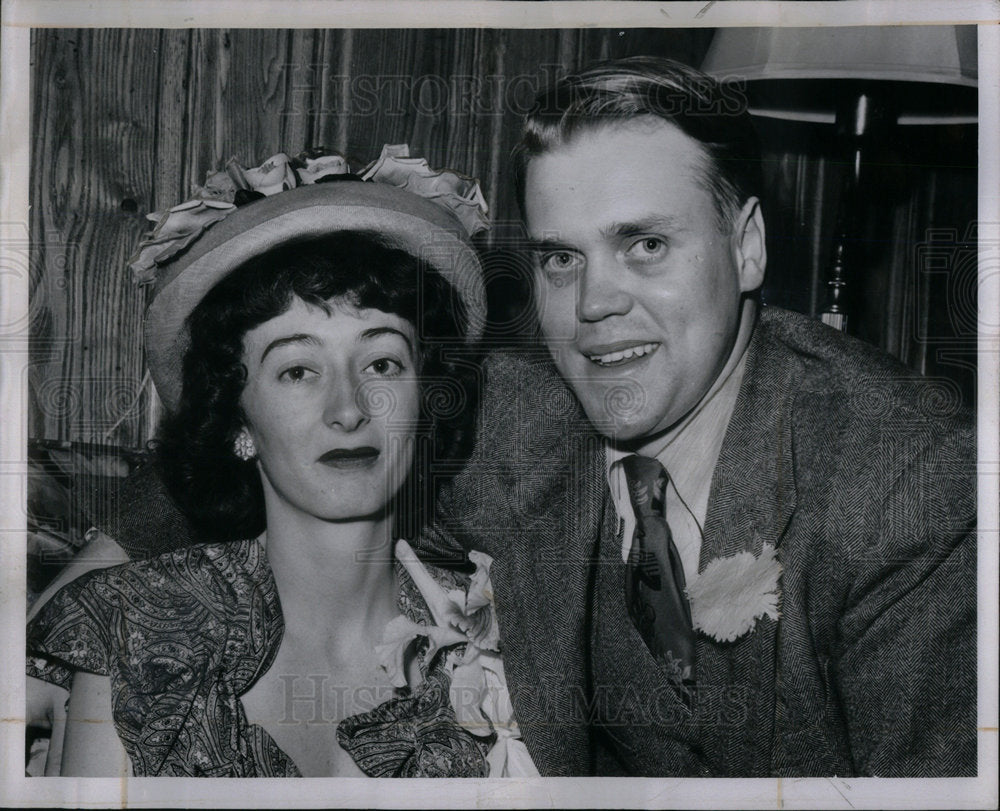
{"type": "Point", "coordinates": [335, 580]}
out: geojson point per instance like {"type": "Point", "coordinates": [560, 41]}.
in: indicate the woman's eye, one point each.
{"type": "Point", "coordinates": [384, 367]}
{"type": "Point", "coordinates": [296, 374]}
{"type": "Point", "coordinates": [647, 248]}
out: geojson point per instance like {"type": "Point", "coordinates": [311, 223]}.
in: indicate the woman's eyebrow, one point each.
{"type": "Point", "coordinates": [298, 338]}
{"type": "Point", "coordinates": [374, 332]}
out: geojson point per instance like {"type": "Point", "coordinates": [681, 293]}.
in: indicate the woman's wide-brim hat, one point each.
{"type": "Point", "coordinates": [397, 217]}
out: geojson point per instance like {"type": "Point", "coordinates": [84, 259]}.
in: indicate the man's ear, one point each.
{"type": "Point", "coordinates": [749, 246]}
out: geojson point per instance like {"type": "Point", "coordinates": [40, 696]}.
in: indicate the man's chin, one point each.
{"type": "Point", "coordinates": [620, 427]}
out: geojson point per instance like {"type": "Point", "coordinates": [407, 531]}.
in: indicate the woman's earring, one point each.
{"type": "Point", "coordinates": [243, 446]}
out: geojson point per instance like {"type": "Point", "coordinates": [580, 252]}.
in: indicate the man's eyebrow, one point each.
{"type": "Point", "coordinates": [545, 244]}
{"type": "Point", "coordinates": [298, 338]}
{"type": "Point", "coordinates": [642, 225]}
{"type": "Point", "coordinates": [374, 332]}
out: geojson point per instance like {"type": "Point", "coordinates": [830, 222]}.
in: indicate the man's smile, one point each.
{"type": "Point", "coordinates": [620, 353]}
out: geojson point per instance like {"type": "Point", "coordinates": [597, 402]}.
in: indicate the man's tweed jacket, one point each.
{"type": "Point", "coordinates": [862, 477]}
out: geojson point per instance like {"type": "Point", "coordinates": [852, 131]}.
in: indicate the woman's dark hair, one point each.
{"type": "Point", "coordinates": [221, 495]}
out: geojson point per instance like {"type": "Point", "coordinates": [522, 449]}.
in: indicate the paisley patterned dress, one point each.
{"type": "Point", "coordinates": [182, 636]}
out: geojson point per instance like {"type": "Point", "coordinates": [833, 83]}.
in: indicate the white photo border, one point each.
{"type": "Point", "coordinates": [16, 790]}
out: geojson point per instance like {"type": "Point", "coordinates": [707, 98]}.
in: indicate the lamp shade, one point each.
{"type": "Point", "coordinates": [930, 72]}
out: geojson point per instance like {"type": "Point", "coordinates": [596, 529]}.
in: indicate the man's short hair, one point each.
{"type": "Point", "coordinates": [711, 112]}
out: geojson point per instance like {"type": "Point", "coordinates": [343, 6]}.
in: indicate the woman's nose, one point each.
{"type": "Point", "coordinates": [344, 407]}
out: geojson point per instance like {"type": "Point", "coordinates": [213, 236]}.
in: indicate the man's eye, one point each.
{"type": "Point", "coordinates": [559, 261]}
{"type": "Point", "coordinates": [296, 374]}
{"type": "Point", "coordinates": [384, 367]}
{"type": "Point", "coordinates": [647, 248]}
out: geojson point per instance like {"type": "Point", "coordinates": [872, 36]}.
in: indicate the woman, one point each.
{"type": "Point", "coordinates": [297, 345]}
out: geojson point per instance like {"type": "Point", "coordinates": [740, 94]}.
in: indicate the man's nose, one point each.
{"type": "Point", "coordinates": [344, 408]}
{"type": "Point", "coordinates": [601, 290]}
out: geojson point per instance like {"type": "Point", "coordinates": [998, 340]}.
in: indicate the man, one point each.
{"type": "Point", "coordinates": [807, 604]}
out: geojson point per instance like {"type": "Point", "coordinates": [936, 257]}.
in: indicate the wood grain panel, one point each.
{"type": "Point", "coordinates": [380, 109]}
{"type": "Point", "coordinates": [296, 116]}
{"type": "Point", "coordinates": [92, 151]}
{"type": "Point", "coordinates": [257, 117]}
{"type": "Point", "coordinates": [331, 90]}
{"type": "Point", "coordinates": [204, 81]}
{"type": "Point", "coordinates": [173, 171]}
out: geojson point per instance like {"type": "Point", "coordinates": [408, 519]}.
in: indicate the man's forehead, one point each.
{"type": "Point", "coordinates": [615, 140]}
{"type": "Point", "coordinates": [621, 173]}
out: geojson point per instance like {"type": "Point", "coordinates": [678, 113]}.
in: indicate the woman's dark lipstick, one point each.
{"type": "Point", "coordinates": [346, 458]}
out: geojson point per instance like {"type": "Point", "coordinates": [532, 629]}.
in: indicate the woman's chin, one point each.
{"type": "Point", "coordinates": [343, 506]}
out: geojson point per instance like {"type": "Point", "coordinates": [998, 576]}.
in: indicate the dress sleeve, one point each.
{"type": "Point", "coordinates": [70, 633]}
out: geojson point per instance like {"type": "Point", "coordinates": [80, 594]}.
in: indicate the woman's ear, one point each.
{"type": "Point", "coordinates": [749, 246]}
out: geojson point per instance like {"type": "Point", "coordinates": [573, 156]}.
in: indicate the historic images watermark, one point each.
{"type": "Point", "coordinates": [316, 91]}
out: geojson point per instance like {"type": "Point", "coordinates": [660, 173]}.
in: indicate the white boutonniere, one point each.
{"type": "Point", "coordinates": [732, 593]}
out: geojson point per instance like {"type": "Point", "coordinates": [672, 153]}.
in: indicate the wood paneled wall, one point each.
{"type": "Point", "coordinates": [127, 121]}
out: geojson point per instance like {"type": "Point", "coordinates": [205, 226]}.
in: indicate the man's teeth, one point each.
{"type": "Point", "coordinates": [624, 354]}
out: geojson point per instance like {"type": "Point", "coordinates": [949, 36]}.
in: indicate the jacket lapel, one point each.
{"type": "Point", "coordinates": [753, 495]}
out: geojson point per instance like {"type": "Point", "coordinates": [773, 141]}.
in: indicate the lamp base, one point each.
{"type": "Point", "coordinates": [835, 320]}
